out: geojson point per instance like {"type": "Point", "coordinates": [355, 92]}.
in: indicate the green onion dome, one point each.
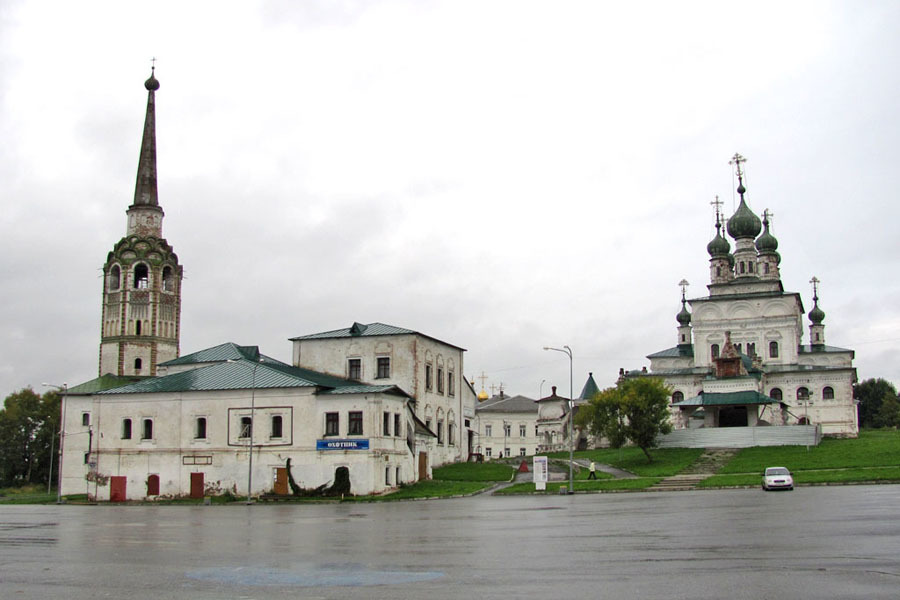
{"type": "Point", "coordinates": [152, 84]}
{"type": "Point", "coordinates": [743, 223]}
{"type": "Point", "coordinates": [684, 317]}
{"type": "Point", "coordinates": [816, 315]}
{"type": "Point", "coordinates": [719, 246]}
{"type": "Point", "coordinates": [766, 243]}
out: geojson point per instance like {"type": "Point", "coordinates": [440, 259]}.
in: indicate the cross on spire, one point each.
{"type": "Point", "coordinates": [767, 216]}
{"type": "Point", "coordinates": [684, 284]}
{"type": "Point", "coordinates": [717, 203]}
{"type": "Point", "coordinates": [736, 160]}
{"type": "Point", "coordinates": [815, 283]}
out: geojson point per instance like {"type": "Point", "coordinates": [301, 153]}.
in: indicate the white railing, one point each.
{"type": "Point", "coordinates": [742, 437]}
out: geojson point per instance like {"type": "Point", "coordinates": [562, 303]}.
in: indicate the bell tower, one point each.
{"type": "Point", "coordinates": [141, 324]}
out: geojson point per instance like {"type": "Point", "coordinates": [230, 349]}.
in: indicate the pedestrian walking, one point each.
{"type": "Point", "coordinates": [593, 474]}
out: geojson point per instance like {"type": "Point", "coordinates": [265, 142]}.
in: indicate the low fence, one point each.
{"type": "Point", "coordinates": [742, 437]}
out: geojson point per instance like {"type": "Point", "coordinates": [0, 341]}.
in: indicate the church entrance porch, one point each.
{"type": "Point", "coordinates": [733, 416]}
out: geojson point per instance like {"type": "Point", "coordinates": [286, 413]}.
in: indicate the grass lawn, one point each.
{"type": "Point", "coordinates": [666, 461]}
{"type": "Point", "coordinates": [29, 494]}
{"type": "Point", "coordinates": [469, 471]}
{"type": "Point", "coordinates": [873, 448]}
{"type": "Point", "coordinates": [856, 475]}
{"type": "Point", "coordinates": [603, 485]}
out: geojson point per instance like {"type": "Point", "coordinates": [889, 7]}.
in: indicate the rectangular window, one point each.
{"type": "Point", "coordinates": [387, 424]}
{"type": "Point", "coordinates": [355, 423]}
{"type": "Point", "coordinates": [521, 451]}
{"type": "Point", "coordinates": [507, 429]}
{"type": "Point", "coordinates": [246, 427]}
{"type": "Point", "coordinates": [506, 452]}
{"type": "Point", "coordinates": [277, 426]}
{"type": "Point", "coordinates": [200, 434]}
{"type": "Point", "coordinates": [332, 424]}
{"type": "Point", "coordinates": [451, 387]}
{"type": "Point", "coordinates": [397, 431]}
{"type": "Point", "coordinates": [397, 479]}
{"type": "Point", "coordinates": [354, 368]}
{"type": "Point", "coordinates": [387, 476]}
{"type": "Point", "coordinates": [428, 424]}
{"type": "Point", "coordinates": [440, 432]}
{"type": "Point", "coordinates": [126, 429]}
{"type": "Point", "coordinates": [440, 380]}
{"type": "Point", "coordinates": [522, 430]}
{"type": "Point", "coordinates": [86, 419]}
{"type": "Point", "coordinates": [427, 378]}
{"type": "Point", "coordinates": [147, 429]}
{"type": "Point", "coordinates": [451, 434]}
{"type": "Point", "coordinates": [488, 430]}
{"type": "Point", "coordinates": [384, 367]}
{"type": "Point", "coordinates": [487, 452]}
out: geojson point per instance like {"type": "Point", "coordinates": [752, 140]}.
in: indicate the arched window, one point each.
{"type": "Point", "coordinates": [137, 327]}
{"type": "Point", "coordinates": [115, 278]}
{"type": "Point", "coordinates": [276, 426]}
{"type": "Point", "coordinates": [802, 394]}
{"type": "Point", "coordinates": [714, 350]}
{"type": "Point", "coordinates": [141, 277]}
{"type": "Point", "coordinates": [775, 394]}
{"type": "Point", "coordinates": [168, 282]}
{"type": "Point", "coordinates": [827, 393]}
{"type": "Point", "coordinates": [147, 431]}
{"type": "Point", "coordinates": [742, 267]}
{"type": "Point", "coordinates": [137, 363]}
{"type": "Point", "coordinates": [773, 349]}
{"type": "Point", "coordinates": [677, 397]}
{"type": "Point", "coordinates": [126, 429]}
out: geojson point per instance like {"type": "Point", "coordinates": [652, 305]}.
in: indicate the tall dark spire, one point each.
{"type": "Point", "coordinates": [145, 193]}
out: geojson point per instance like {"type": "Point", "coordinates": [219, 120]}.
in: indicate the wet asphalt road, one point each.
{"type": "Point", "coordinates": [816, 542]}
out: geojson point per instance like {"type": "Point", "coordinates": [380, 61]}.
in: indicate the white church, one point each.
{"type": "Point", "coordinates": [372, 404]}
{"type": "Point", "coordinates": [740, 360]}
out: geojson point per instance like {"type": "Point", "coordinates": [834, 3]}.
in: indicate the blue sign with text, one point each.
{"type": "Point", "coordinates": [342, 444]}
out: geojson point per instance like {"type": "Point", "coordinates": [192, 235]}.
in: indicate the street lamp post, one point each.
{"type": "Point", "coordinates": [62, 424]}
{"type": "Point", "coordinates": [568, 352]}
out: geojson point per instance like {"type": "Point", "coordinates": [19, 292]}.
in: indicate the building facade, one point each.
{"type": "Point", "coordinates": [740, 358]}
{"type": "Point", "coordinates": [507, 427]}
{"type": "Point", "coordinates": [428, 369]}
{"type": "Point", "coordinates": [141, 311]}
{"type": "Point", "coordinates": [228, 419]}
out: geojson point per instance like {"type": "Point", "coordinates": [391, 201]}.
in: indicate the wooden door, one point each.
{"type": "Point", "coordinates": [196, 485]}
{"type": "Point", "coordinates": [153, 485]}
{"type": "Point", "coordinates": [117, 485]}
{"type": "Point", "coordinates": [281, 481]}
{"type": "Point", "coordinates": [423, 465]}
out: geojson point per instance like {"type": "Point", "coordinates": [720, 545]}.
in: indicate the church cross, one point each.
{"type": "Point", "coordinates": [737, 159]}
{"type": "Point", "coordinates": [717, 203]}
{"type": "Point", "coordinates": [768, 216]}
{"type": "Point", "coordinates": [815, 283]}
{"type": "Point", "coordinates": [684, 284]}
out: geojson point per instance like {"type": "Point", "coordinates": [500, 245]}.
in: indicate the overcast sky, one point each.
{"type": "Point", "coordinates": [503, 176]}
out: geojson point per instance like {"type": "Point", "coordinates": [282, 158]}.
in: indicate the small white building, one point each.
{"type": "Point", "coordinates": [191, 432]}
{"type": "Point", "coordinates": [507, 426]}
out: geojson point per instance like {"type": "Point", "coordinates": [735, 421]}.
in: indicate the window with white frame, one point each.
{"type": "Point", "coordinates": [355, 423]}
{"type": "Point", "coordinates": [354, 368]}
{"type": "Point", "coordinates": [488, 430]}
{"type": "Point", "coordinates": [384, 368]}
{"type": "Point", "coordinates": [332, 424]}
{"type": "Point", "coordinates": [523, 430]}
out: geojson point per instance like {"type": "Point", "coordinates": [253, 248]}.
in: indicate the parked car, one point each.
{"type": "Point", "coordinates": [777, 478]}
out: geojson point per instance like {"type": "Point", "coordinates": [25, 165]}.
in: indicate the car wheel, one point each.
{"type": "Point", "coordinates": [764, 488]}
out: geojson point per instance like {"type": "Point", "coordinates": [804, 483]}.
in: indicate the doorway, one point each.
{"type": "Point", "coordinates": [117, 488]}
{"type": "Point", "coordinates": [197, 485]}
{"type": "Point", "coordinates": [281, 481]}
{"type": "Point", "coordinates": [733, 416]}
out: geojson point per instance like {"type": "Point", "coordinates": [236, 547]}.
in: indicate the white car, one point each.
{"type": "Point", "coordinates": [777, 478]}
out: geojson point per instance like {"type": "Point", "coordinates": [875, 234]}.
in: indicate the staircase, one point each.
{"type": "Point", "coordinates": [708, 464]}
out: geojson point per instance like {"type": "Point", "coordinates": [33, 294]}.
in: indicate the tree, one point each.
{"type": "Point", "coordinates": [870, 395]}
{"type": "Point", "coordinates": [29, 426]}
{"type": "Point", "coordinates": [636, 410]}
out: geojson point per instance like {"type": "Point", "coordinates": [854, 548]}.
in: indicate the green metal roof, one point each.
{"type": "Point", "coordinates": [680, 351]}
{"type": "Point", "coordinates": [222, 352]}
{"type": "Point", "coordinates": [248, 374]}
{"type": "Point", "coordinates": [727, 399]}
{"type": "Point", "coordinates": [807, 349]}
{"type": "Point", "coordinates": [104, 382]}
{"type": "Point", "coordinates": [362, 330]}
{"type": "Point", "coordinates": [590, 388]}
{"type": "Point", "coordinates": [508, 404]}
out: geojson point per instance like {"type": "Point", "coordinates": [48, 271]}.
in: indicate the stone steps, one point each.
{"type": "Point", "coordinates": [705, 466]}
